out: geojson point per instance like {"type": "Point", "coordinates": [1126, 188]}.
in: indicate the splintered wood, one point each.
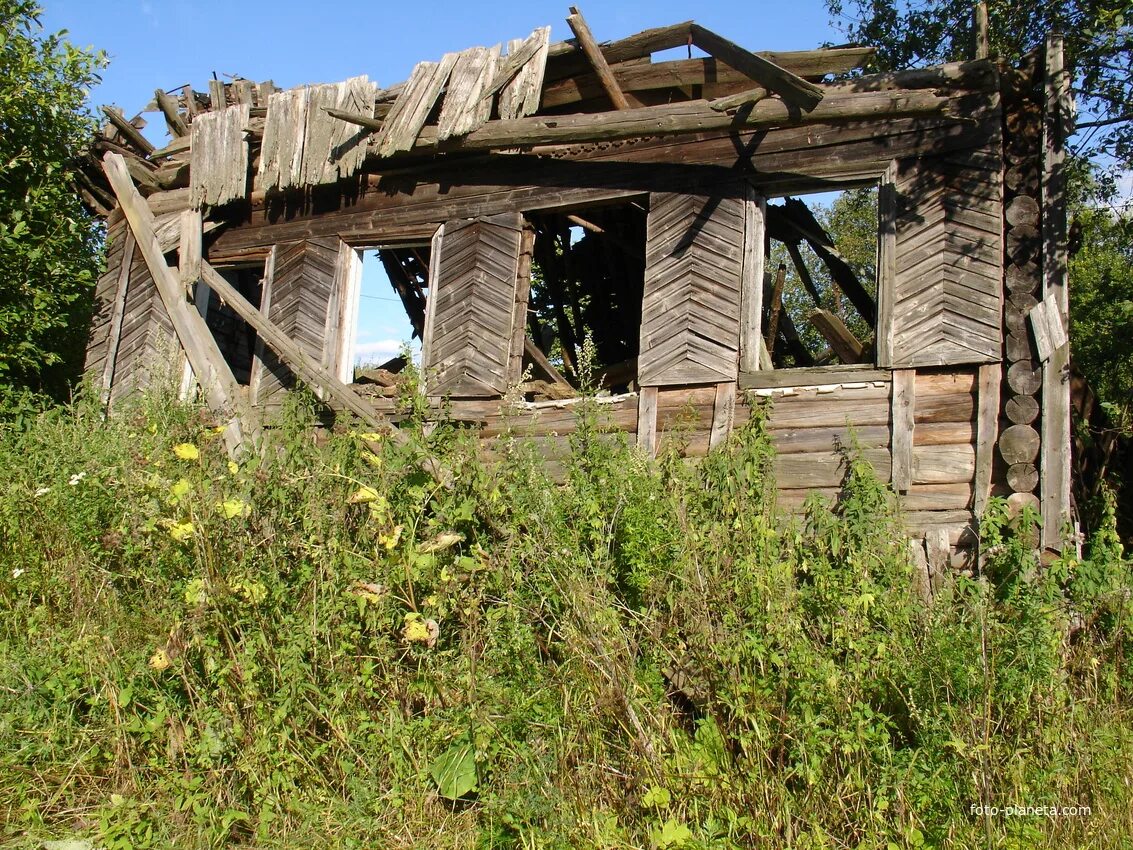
{"type": "Point", "coordinates": [520, 97]}
{"type": "Point", "coordinates": [219, 172]}
{"type": "Point", "coordinates": [304, 145]}
{"type": "Point", "coordinates": [465, 108]}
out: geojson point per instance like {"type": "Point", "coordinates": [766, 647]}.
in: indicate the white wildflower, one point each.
{"type": "Point", "coordinates": [76, 478]}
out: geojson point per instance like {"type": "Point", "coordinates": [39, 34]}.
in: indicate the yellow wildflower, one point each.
{"type": "Point", "coordinates": [233, 467]}
{"type": "Point", "coordinates": [186, 451]}
{"type": "Point", "coordinates": [442, 541]}
{"type": "Point", "coordinates": [159, 660]}
{"type": "Point", "coordinates": [417, 629]}
{"type": "Point", "coordinates": [371, 436]}
{"type": "Point", "coordinates": [390, 540]}
{"type": "Point", "coordinates": [232, 508]}
{"type": "Point", "coordinates": [364, 495]}
{"type": "Point", "coordinates": [181, 531]}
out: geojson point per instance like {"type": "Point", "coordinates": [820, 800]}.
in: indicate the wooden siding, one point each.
{"type": "Point", "coordinates": [147, 346]}
{"type": "Point", "coordinates": [99, 343]}
{"type": "Point", "coordinates": [690, 312]}
{"type": "Point", "coordinates": [470, 322]}
{"type": "Point", "coordinates": [945, 292]}
{"type": "Point", "coordinates": [298, 301]}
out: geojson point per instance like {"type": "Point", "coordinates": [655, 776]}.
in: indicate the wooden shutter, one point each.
{"type": "Point", "coordinates": [690, 314]}
{"type": "Point", "coordinates": [944, 279]}
{"type": "Point", "coordinates": [472, 307]}
{"type": "Point", "coordinates": [297, 301]}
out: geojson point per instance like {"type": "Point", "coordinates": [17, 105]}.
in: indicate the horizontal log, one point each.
{"type": "Point", "coordinates": [947, 464]}
{"type": "Point", "coordinates": [823, 375]}
{"type": "Point", "coordinates": [823, 469]}
{"type": "Point", "coordinates": [694, 116]}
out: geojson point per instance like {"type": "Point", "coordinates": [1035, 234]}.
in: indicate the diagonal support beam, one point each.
{"type": "Point", "coordinates": [221, 390]}
{"type": "Point", "coordinates": [791, 87]}
{"type": "Point", "coordinates": [337, 394]}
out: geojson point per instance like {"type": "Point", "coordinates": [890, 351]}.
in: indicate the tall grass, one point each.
{"type": "Point", "coordinates": [321, 646]}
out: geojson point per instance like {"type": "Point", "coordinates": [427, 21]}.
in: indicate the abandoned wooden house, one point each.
{"type": "Point", "coordinates": [521, 200]}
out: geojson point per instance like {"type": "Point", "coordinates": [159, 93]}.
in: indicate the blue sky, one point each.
{"type": "Point", "coordinates": [166, 44]}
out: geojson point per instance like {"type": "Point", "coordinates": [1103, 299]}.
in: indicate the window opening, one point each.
{"type": "Point", "coordinates": [587, 282]}
{"type": "Point", "coordinates": [820, 279]}
{"type": "Point", "coordinates": [235, 338]}
{"type": "Point", "coordinates": [391, 295]}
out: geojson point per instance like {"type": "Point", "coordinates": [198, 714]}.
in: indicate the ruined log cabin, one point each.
{"type": "Point", "coordinates": [524, 199]}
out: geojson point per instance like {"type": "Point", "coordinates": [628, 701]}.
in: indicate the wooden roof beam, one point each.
{"type": "Point", "coordinates": [689, 117]}
{"type": "Point", "coordinates": [129, 132]}
{"type": "Point", "coordinates": [791, 87]}
{"type": "Point", "coordinates": [581, 31]}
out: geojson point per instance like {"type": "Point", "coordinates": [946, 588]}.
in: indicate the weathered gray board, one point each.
{"type": "Point", "coordinates": [470, 318]}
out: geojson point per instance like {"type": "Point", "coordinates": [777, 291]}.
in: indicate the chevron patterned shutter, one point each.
{"type": "Point", "coordinates": [471, 309]}
{"type": "Point", "coordinates": [947, 271]}
{"type": "Point", "coordinates": [297, 302]}
{"type": "Point", "coordinates": [690, 314]}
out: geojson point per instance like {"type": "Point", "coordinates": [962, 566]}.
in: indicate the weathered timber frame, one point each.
{"type": "Point", "coordinates": [963, 396]}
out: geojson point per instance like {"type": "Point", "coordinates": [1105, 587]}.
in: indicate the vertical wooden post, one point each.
{"type": "Point", "coordinates": [258, 366]}
{"type": "Point", "coordinates": [647, 420]}
{"type": "Point", "coordinates": [982, 46]}
{"type": "Point", "coordinates": [751, 282]}
{"type": "Point", "coordinates": [435, 248]}
{"type": "Point", "coordinates": [522, 294]}
{"type": "Point", "coordinates": [903, 410]}
{"type": "Point", "coordinates": [1055, 457]}
{"type": "Point", "coordinates": [190, 250]}
{"type": "Point", "coordinates": [987, 431]}
{"type": "Point", "coordinates": [342, 314]}
{"type": "Point", "coordinates": [723, 413]}
{"type": "Point", "coordinates": [886, 265]}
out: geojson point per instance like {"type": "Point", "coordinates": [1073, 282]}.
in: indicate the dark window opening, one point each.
{"type": "Point", "coordinates": [820, 280]}
{"type": "Point", "coordinates": [235, 338]}
{"type": "Point", "coordinates": [587, 283]}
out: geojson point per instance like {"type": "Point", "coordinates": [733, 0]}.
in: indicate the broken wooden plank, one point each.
{"type": "Point", "coordinates": [190, 253]}
{"type": "Point", "coordinates": [173, 120]}
{"type": "Point", "coordinates": [792, 88]}
{"type": "Point", "coordinates": [412, 108]}
{"type": "Point", "coordinates": [731, 103]}
{"type": "Point", "coordinates": [842, 341]}
{"type": "Point", "coordinates": [212, 372]}
{"type": "Point", "coordinates": [217, 98]}
{"type": "Point", "coordinates": [539, 360]}
{"type": "Point", "coordinates": [465, 108]}
{"type": "Point", "coordinates": [219, 171]}
{"type": "Point", "coordinates": [515, 61]}
{"type": "Point", "coordinates": [129, 132]}
{"type": "Point", "coordinates": [281, 153]}
{"type": "Point", "coordinates": [332, 150]}
{"type": "Point", "coordinates": [582, 33]}
{"type": "Point", "coordinates": [522, 94]}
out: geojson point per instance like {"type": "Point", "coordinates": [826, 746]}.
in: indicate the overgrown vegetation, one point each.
{"type": "Point", "coordinates": [49, 245]}
{"type": "Point", "coordinates": [324, 646]}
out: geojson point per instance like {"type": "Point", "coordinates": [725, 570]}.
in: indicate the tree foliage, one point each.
{"type": "Point", "coordinates": [1098, 42]}
{"type": "Point", "coordinates": [49, 246]}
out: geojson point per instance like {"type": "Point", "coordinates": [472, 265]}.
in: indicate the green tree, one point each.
{"type": "Point", "coordinates": [49, 245]}
{"type": "Point", "coordinates": [1101, 306]}
{"type": "Point", "coordinates": [1098, 43]}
